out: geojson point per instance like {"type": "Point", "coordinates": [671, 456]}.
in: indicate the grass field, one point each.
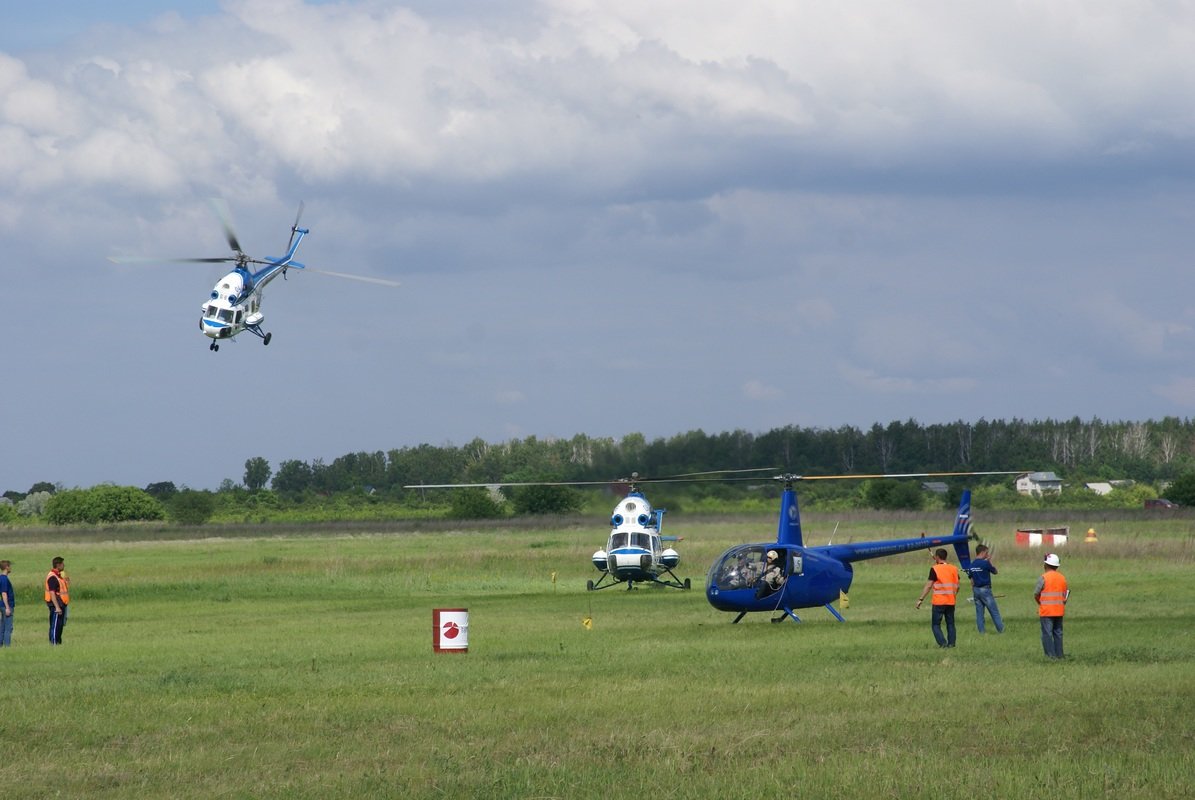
{"type": "Point", "coordinates": [302, 666]}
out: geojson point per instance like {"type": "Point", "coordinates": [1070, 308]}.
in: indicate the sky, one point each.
{"type": "Point", "coordinates": [606, 217]}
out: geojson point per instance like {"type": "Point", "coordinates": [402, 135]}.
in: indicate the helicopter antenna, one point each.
{"type": "Point", "coordinates": [836, 524]}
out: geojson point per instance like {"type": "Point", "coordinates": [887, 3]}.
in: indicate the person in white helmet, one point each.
{"type": "Point", "coordinates": [1051, 595]}
{"type": "Point", "coordinates": [773, 575]}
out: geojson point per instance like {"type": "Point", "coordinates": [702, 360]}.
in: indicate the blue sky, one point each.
{"type": "Point", "coordinates": [606, 218]}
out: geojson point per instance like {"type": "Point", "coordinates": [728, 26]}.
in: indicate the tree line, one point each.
{"type": "Point", "coordinates": [1082, 451]}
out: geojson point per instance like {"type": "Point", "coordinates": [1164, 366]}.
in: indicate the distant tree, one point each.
{"type": "Point", "coordinates": [545, 500]}
{"type": "Point", "coordinates": [228, 485]}
{"type": "Point", "coordinates": [474, 503]}
{"type": "Point", "coordinates": [892, 495]}
{"type": "Point", "coordinates": [43, 486]}
{"type": "Point", "coordinates": [16, 497]}
{"type": "Point", "coordinates": [162, 491]}
{"type": "Point", "coordinates": [34, 504]}
{"type": "Point", "coordinates": [191, 507]}
{"type": "Point", "coordinates": [293, 477]}
{"type": "Point", "coordinates": [257, 473]}
{"type": "Point", "coordinates": [8, 513]}
{"type": "Point", "coordinates": [1182, 490]}
{"type": "Point", "coordinates": [102, 504]}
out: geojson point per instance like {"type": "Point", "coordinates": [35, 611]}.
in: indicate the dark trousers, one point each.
{"type": "Point", "coordinates": [943, 613]}
{"type": "Point", "coordinates": [57, 622]}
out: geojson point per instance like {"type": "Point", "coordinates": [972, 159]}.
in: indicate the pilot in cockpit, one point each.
{"type": "Point", "coordinates": [773, 575]}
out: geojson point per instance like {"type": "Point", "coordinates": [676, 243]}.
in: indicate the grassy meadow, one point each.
{"type": "Point", "coordinates": [301, 666]}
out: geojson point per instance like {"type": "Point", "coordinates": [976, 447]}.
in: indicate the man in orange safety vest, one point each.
{"type": "Point", "coordinates": [943, 582]}
{"type": "Point", "coordinates": [58, 597]}
{"type": "Point", "coordinates": [1051, 596]}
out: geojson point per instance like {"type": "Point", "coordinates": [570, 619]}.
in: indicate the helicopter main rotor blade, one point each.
{"type": "Point", "coordinates": [363, 278]}
{"type": "Point", "coordinates": [220, 207]}
{"type": "Point", "coordinates": [901, 475]}
{"type": "Point", "coordinates": [151, 260]}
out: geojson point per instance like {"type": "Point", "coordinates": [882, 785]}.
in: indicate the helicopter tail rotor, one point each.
{"type": "Point", "coordinates": [295, 228]}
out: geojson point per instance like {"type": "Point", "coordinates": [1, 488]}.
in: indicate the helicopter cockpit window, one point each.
{"type": "Point", "coordinates": [617, 540]}
{"type": "Point", "coordinates": [211, 312]}
{"type": "Point", "coordinates": [641, 540]}
{"type": "Point", "coordinates": [226, 315]}
{"type": "Point", "coordinates": [740, 568]}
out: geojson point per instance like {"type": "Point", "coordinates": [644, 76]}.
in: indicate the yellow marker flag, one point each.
{"type": "Point", "coordinates": [843, 600]}
{"type": "Point", "coordinates": [587, 623]}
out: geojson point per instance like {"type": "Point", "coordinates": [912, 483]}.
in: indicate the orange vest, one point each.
{"type": "Point", "coordinates": [945, 584]}
{"type": "Point", "coordinates": [64, 586]}
{"type": "Point", "coordinates": [1053, 595]}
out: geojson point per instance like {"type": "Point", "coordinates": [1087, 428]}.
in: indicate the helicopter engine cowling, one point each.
{"type": "Point", "coordinates": [600, 560]}
{"type": "Point", "coordinates": [670, 558]}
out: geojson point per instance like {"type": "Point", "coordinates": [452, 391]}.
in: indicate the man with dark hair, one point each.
{"type": "Point", "coordinates": [943, 582]}
{"type": "Point", "coordinates": [58, 597]}
{"type": "Point", "coordinates": [981, 572]}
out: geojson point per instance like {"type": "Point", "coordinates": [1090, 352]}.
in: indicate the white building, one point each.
{"type": "Point", "coordinates": [1039, 483]}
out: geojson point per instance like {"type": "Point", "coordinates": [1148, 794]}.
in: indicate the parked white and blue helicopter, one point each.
{"type": "Point", "coordinates": [635, 550]}
{"type": "Point", "coordinates": [815, 576]}
{"type": "Point", "coordinates": [234, 304]}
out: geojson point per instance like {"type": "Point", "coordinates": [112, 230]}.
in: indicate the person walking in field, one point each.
{"type": "Point", "coordinates": [1051, 595]}
{"type": "Point", "coordinates": [981, 572]}
{"type": "Point", "coordinates": [58, 597]}
{"type": "Point", "coordinates": [9, 600]}
{"type": "Point", "coordinates": [943, 582]}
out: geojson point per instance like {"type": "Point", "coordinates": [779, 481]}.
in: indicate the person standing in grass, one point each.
{"type": "Point", "coordinates": [58, 597]}
{"type": "Point", "coordinates": [981, 572]}
{"type": "Point", "coordinates": [943, 582]}
{"type": "Point", "coordinates": [1051, 596]}
{"type": "Point", "coordinates": [9, 600]}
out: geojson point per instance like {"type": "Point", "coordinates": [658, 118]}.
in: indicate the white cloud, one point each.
{"type": "Point", "coordinates": [758, 390]}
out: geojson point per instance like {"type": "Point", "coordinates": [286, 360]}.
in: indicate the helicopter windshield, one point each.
{"type": "Point", "coordinates": [226, 315]}
{"type": "Point", "coordinates": [740, 568]}
{"type": "Point", "coordinates": [641, 540]}
{"type": "Point", "coordinates": [617, 540]}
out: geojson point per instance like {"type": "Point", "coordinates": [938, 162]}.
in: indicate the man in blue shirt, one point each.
{"type": "Point", "coordinates": [981, 572]}
{"type": "Point", "coordinates": [8, 601]}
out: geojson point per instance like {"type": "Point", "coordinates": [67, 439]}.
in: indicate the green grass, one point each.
{"type": "Point", "coordinates": [302, 666]}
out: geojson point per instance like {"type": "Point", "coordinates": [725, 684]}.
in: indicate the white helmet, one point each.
{"type": "Point", "coordinates": [773, 555]}
{"type": "Point", "coordinates": [1052, 560]}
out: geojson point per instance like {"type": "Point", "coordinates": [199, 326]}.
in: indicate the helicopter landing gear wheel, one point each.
{"type": "Point", "coordinates": [266, 339]}
{"type": "Point", "coordinates": [213, 347]}
{"type": "Point", "coordinates": [688, 584]}
{"type": "Point", "coordinates": [589, 585]}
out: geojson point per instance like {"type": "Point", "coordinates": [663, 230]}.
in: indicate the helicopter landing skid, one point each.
{"type": "Point", "coordinates": [675, 583]}
{"type": "Point", "coordinates": [257, 331]}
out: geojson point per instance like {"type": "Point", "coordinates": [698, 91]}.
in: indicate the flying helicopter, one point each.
{"type": "Point", "coordinates": [815, 576]}
{"type": "Point", "coordinates": [234, 304]}
{"type": "Point", "coordinates": [634, 551]}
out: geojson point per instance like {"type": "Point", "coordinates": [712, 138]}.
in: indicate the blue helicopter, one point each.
{"type": "Point", "coordinates": [785, 575]}
{"type": "Point", "coordinates": [234, 304]}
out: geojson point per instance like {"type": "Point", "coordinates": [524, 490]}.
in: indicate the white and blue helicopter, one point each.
{"type": "Point", "coordinates": [234, 304]}
{"type": "Point", "coordinates": [634, 552]}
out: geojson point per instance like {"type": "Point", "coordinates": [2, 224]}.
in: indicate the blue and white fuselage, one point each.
{"type": "Point", "coordinates": [235, 301]}
{"type": "Point", "coordinates": [634, 551]}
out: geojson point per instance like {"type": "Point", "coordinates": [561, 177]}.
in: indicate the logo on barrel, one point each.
{"type": "Point", "coordinates": [451, 630]}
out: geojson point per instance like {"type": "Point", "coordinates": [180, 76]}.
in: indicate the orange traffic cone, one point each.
{"type": "Point", "coordinates": [1091, 535]}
